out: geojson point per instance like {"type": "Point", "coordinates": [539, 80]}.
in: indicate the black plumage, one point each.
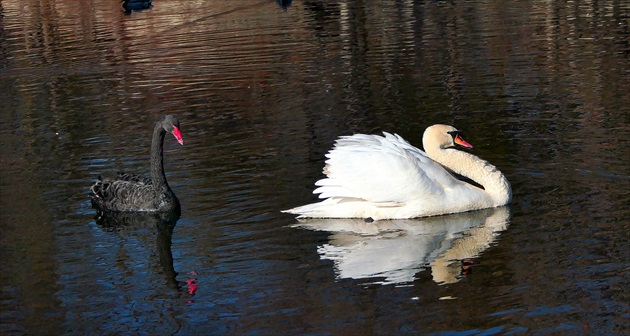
{"type": "Point", "coordinates": [135, 193]}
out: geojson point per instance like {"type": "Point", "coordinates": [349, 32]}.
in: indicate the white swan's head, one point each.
{"type": "Point", "coordinates": [441, 137]}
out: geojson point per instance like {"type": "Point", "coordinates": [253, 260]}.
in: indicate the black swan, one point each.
{"type": "Point", "coordinates": [133, 193]}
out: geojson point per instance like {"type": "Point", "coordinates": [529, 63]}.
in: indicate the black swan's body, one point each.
{"type": "Point", "coordinates": [133, 193]}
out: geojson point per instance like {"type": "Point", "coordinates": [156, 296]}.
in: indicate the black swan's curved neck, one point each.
{"type": "Point", "coordinates": [157, 159]}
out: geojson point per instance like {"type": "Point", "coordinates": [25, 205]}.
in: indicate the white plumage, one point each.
{"type": "Point", "coordinates": [385, 177]}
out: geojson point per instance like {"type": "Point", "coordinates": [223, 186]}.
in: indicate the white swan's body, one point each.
{"type": "Point", "coordinates": [384, 177]}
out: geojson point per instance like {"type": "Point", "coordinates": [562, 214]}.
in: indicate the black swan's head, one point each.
{"type": "Point", "coordinates": [171, 125]}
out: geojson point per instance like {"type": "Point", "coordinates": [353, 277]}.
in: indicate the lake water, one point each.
{"type": "Point", "coordinates": [262, 89]}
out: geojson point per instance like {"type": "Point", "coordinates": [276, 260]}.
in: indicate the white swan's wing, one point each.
{"type": "Point", "coordinates": [381, 169]}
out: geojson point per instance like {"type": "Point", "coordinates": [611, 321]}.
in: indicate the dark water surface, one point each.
{"type": "Point", "coordinates": [540, 88]}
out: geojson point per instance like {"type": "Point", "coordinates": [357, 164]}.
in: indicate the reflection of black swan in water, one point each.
{"type": "Point", "coordinates": [133, 193]}
{"type": "Point", "coordinates": [164, 222]}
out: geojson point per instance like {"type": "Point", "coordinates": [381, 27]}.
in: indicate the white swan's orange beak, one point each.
{"type": "Point", "coordinates": [178, 135]}
{"type": "Point", "coordinates": [460, 141]}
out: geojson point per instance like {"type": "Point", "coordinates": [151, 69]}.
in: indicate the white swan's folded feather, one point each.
{"type": "Point", "coordinates": [380, 169]}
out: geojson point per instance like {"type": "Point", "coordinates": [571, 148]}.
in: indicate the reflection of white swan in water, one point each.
{"type": "Point", "coordinates": [398, 249]}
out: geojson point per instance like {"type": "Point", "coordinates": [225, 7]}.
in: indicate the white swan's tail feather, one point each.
{"type": "Point", "coordinates": [330, 208]}
{"type": "Point", "coordinates": [302, 210]}
{"type": "Point", "coordinates": [339, 207]}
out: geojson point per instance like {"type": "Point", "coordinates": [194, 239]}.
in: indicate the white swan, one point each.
{"type": "Point", "coordinates": [384, 177]}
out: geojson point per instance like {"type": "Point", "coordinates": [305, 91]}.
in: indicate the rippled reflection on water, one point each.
{"type": "Point", "coordinates": [397, 250]}
{"type": "Point", "coordinates": [262, 89]}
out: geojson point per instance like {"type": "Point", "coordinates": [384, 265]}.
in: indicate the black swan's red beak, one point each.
{"type": "Point", "coordinates": [178, 135]}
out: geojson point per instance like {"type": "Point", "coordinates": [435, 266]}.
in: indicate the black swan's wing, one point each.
{"type": "Point", "coordinates": [122, 176]}
{"type": "Point", "coordinates": [134, 193]}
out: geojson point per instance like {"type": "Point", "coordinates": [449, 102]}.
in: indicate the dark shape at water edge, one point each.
{"type": "Point", "coordinates": [284, 3]}
{"type": "Point", "coordinates": [136, 5]}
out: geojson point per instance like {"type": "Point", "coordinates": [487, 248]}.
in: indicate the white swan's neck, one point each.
{"type": "Point", "coordinates": [494, 182]}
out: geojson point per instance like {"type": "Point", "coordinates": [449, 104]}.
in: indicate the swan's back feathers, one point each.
{"type": "Point", "coordinates": [122, 176]}
{"type": "Point", "coordinates": [130, 192]}
{"type": "Point", "coordinates": [379, 169]}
